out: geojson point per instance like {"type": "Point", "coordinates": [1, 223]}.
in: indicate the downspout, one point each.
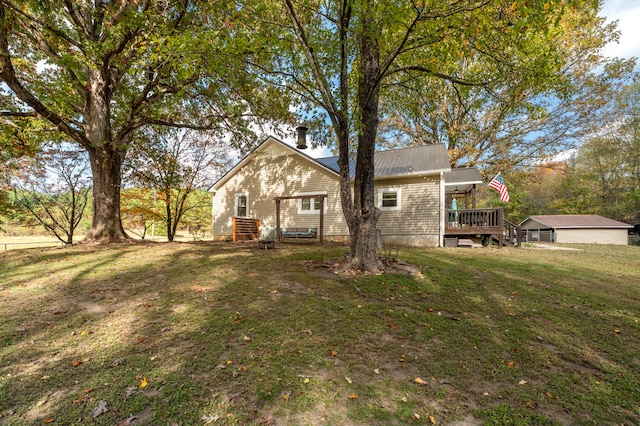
{"type": "Point", "coordinates": [442, 199]}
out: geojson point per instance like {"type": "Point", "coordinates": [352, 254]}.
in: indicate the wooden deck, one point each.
{"type": "Point", "coordinates": [474, 221]}
{"type": "Point", "coordinates": [487, 222]}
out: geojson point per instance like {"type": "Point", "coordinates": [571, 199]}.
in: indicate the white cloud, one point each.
{"type": "Point", "coordinates": [627, 13]}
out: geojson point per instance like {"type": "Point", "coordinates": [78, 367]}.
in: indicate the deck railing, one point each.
{"type": "Point", "coordinates": [488, 222]}
{"type": "Point", "coordinates": [474, 218]}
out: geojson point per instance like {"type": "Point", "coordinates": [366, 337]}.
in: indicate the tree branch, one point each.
{"type": "Point", "coordinates": [8, 74]}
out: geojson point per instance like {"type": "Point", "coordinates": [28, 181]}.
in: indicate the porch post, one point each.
{"type": "Point", "coordinates": [473, 196]}
{"type": "Point", "coordinates": [443, 211]}
{"type": "Point", "coordinates": [321, 199]}
{"type": "Point", "coordinates": [278, 219]}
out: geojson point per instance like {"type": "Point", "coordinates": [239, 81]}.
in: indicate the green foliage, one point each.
{"type": "Point", "coordinates": [555, 87]}
{"type": "Point", "coordinates": [98, 72]}
{"type": "Point", "coordinates": [176, 168]}
{"type": "Point", "coordinates": [138, 207]}
{"type": "Point", "coordinates": [604, 174]}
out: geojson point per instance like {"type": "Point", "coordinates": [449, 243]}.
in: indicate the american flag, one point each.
{"type": "Point", "coordinates": [498, 184]}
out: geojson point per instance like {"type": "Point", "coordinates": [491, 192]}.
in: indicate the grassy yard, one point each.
{"type": "Point", "coordinates": [203, 333]}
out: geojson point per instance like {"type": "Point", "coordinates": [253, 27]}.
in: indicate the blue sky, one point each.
{"type": "Point", "coordinates": [627, 13]}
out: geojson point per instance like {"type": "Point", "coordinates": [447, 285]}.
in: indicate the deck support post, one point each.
{"type": "Point", "coordinates": [278, 234]}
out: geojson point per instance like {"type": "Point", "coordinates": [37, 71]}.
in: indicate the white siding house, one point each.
{"type": "Point", "coordinates": [408, 184]}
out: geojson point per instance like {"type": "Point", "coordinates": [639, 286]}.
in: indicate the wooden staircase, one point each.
{"type": "Point", "coordinates": [511, 235]}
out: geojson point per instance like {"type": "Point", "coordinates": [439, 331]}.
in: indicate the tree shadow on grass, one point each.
{"type": "Point", "coordinates": [189, 332]}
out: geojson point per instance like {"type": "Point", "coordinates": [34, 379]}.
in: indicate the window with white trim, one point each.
{"type": "Point", "coordinates": [242, 205]}
{"type": "Point", "coordinates": [389, 198]}
{"type": "Point", "coordinates": [310, 205]}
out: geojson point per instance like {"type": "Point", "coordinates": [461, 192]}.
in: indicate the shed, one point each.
{"type": "Point", "coordinates": [575, 228]}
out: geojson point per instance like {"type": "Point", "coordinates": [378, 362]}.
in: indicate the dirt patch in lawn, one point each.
{"type": "Point", "coordinates": [334, 267]}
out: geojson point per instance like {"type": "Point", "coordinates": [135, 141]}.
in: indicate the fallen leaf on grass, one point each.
{"type": "Point", "coordinates": [402, 357]}
{"type": "Point", "coordinates": [76, 363]}
{"type": "Point", "coordinates": [432, 420]}
{"type": "Point", "coordinates": [131, 391]}
{"type": "Point", "coordinates": [42, 401]}
{"type": "Point", "coordinates": [49, 420]}
{"type": "Point", "coordinates": [522, 382]}
{"type": "Point", "coordinates": [143, 383]}
{"type": "Point", "coordinates": [419, 381]}
{"type": "Point", "coordinates": [117, 362]}
{"type": "Point", "coordinates": [100, 409]}
{"type": "Point", "coordinates": [617, 331]}
{"type": "Point", "coordinates": [348, 379]}
{"type": "Point", "coordinates": [416, 416]}
{"type": "Point", "coordinates": [353, 396]}
{"type": "Point", "coordinates": [334, 353]}
{"type": "Point", "coordinates": [510, 364]}
{"type": "Point", "coordinates": [210, 418]}
{"type": "Point", "coordinates": [129, 420]}
{"type": "Point", "coordinates": [532, 405]}
{"type": "Point", "coordinates": [230, 398]}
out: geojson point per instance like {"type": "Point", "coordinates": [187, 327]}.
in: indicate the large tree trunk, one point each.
{"type": "Point", "coordinates": [364, 250]}
{"type": "Point", "coordinates": [106, 161]}
{"type": "Point", "coordinates": [106, 170]}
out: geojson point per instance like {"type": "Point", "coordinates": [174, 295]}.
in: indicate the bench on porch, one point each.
{"type": "Point", "coordinates": [299, 233]}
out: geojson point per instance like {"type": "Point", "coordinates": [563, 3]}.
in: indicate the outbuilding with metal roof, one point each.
{"type": "Point", "coordinates": [575, 228]}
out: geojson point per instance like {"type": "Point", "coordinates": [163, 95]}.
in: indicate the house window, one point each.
{"type": "Point", "coordinates": [310, 205]}
{"type": "Point", "coordinates": [242, 203]}
{"type": "Point", "coordinates": [389, 198]}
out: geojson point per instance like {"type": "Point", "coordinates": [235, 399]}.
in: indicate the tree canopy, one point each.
{"type": "Point", "coordinates": [520, 117]}
{"type": "Point", "coordinates": [97, 72]}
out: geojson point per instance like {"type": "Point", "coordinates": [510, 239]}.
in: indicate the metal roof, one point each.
{"type": "Point", "coordinates": [417, 160]}
{"type": "Point", "coordinates": [461, 180]}
{"type": "Point", "coordinates": [576, 221]}
{"type": "Point", "coordinates": [403, 162]}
